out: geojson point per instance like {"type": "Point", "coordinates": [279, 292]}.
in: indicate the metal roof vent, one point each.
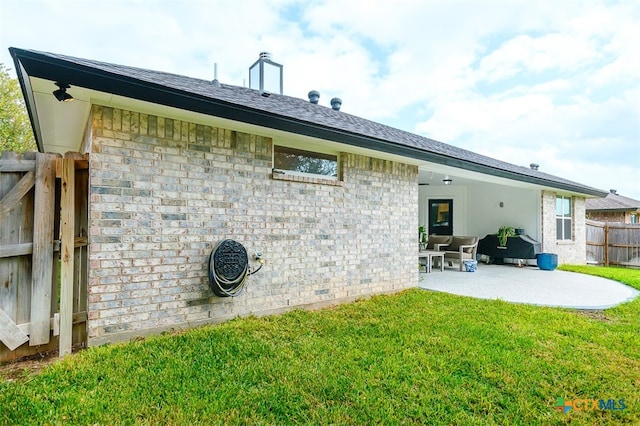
{"type": "Point", "coordinates": [314, 96]}
{"type": "Point", "coordinates": [336, 103]}
{"type": "Point", "coordinates": [614, 191]}
{"type": "Point", "coordinates": [534, 166]}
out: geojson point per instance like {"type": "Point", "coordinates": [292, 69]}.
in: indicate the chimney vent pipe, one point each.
{"type": "Point", "coordinates": [215, 81]}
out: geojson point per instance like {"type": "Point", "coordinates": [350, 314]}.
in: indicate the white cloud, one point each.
{"type": "Point", "coordinates": [525, 53]}
{"type": "Point", "coordinates": [557, 83]}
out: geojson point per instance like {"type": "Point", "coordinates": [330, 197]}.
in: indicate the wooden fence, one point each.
{"type": "Point", "coordinates": [43, 253]}
{"type": "Point", "coordinates": [613, 244]}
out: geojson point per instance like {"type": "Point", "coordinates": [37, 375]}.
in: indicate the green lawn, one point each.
{"type": "Point", "coordinates": [414, 357]}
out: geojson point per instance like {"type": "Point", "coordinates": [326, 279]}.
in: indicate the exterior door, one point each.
{"type": "Point", "coordinates": [440, 217]}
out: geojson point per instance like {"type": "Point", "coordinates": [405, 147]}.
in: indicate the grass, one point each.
{"type": "Point", "coordinates": [628, 276]}
{"type": "Point", "coordinates": [415, 357]}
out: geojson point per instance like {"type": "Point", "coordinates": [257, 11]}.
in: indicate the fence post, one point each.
{"type": "Point", "coordinates": [606, 244]}
{"type": "Point", "coordinates": [42, 265]}
{"type": "Point", "coordinates": [67, 255]}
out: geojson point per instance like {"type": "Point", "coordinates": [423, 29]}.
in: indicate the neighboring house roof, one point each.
{"type": "Point", "coordinates": [612, 202]}
{"type": "Point", "coordinates": [275, 111]}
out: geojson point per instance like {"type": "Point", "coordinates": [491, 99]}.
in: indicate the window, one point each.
{"type": "Point", "coordinates": [563, 218]}
{"type": "Point", "coordinates": [305, 162]}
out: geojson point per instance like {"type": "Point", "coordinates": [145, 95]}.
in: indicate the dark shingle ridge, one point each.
{"type": "Point", "coordinates": [303, 111]}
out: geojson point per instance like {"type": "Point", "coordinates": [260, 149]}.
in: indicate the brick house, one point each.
{"type": "Point", "coordinates": [613, 208]}
{"type": "Point", "coordinates": [177, 164]}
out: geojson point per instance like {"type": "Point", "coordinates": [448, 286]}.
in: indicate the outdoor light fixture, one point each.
{"type": "Point", "coordinates": [61, 94]}
{"type": "Point", "coordinates": [447, 180]}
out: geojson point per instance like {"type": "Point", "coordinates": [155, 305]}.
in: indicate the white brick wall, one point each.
{"type": "Point", "coordinates": [163, 192]}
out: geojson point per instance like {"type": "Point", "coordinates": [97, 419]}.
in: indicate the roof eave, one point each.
{"type": "Point", "coordinates": [613, 210]}
{"type": "Point", "coordinates": [57, 69]}
{"type": "Point", "coordinates": [27, 94]}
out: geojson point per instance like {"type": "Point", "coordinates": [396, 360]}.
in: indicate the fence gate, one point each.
{"type": "Point", "coordinates": [613, 244]}
{"type": "Point", "coordinates": [43, 253]}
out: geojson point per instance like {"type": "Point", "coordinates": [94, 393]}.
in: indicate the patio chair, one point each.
{"type": "Point", "coordinates": [461, 249]}
{"type": "Point", "coordinates": [436, 241]}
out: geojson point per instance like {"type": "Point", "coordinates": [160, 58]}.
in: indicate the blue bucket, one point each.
{"type": "Point", "coordinates": [547, 261]}
{"type": "Point", "coordinates": [470, 265]}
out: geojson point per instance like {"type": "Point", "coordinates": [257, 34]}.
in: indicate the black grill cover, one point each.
{"type": "Point", "coordinates": [518, 247]}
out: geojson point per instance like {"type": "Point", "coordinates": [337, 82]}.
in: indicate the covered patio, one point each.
{"type": "Point", "coordinates": [530, 285]}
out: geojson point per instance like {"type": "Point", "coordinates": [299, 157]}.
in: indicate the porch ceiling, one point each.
{"type": "Point", "coordinates": [431, 174]}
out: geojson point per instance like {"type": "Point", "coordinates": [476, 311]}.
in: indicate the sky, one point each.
{"type": "Point", "coordinates": [552, 82]}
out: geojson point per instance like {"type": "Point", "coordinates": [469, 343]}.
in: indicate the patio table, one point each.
{"type": "Point", "coordinates": [429, 255]}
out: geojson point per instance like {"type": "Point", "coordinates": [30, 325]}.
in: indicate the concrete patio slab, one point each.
{"type": "Point", "coordinates": [530, 285]}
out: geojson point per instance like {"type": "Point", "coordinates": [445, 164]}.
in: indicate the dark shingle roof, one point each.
{"type": "Point", "coordinates": [612, 202]}
{"type": "Point", "coordinates": [275, 111]}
